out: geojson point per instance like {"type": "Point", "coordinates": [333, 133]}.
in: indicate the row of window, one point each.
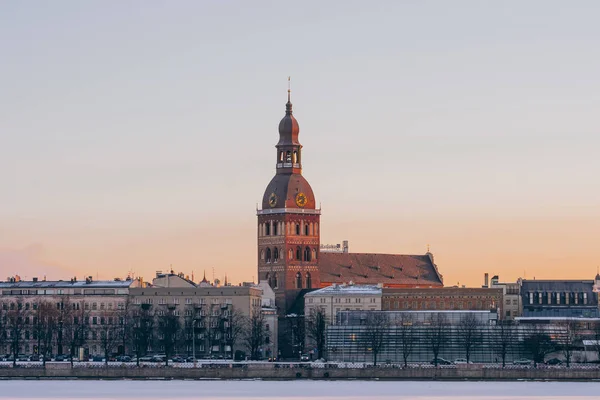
{"type": "Point", "coordinates": [347, 300]}
{"type": "Point", "coordinates": [557, 298]}
{"type": "Point", "coordinates": [300, 283]}
{"type": "Point", "coordinates": [276, 228]}
{"type": "Point", "coordinates": [61, 306]}
{"type": "Point", "coordinates": [272, 256]}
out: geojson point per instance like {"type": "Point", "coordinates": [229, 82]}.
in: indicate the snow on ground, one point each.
{"type": "Point", "coordinates": [316, 390]}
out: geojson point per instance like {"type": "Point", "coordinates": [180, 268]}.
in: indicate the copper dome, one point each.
{"type": "Point", "coordinates": [286, 189]}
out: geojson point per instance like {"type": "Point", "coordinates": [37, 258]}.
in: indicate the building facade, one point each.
{"type": "Point", "coordinates": [333, 299]}
{"type": "Point", "coordinates": [511, 291]}
{"type": "Point", "coordinates": [560, 298]}
{"type": "Point", "coordinates": [43, 317]}
{"type": "Point", "coordinates": [450, 298]}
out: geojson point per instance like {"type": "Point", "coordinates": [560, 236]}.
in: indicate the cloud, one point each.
{"type": "Point", "coordinates": [27, 263]}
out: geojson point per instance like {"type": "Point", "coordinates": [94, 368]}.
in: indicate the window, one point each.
{"type": "Point", "coordinates": [308, 281]}
{"type": "Point", "coordinates": [275, 254]}
{"type": "Point", "coordinates": [306, 232]}
{"type": "Point", "coordinates": [298, 229]}
{"type": "Point", "coordinates": [94, 306]}
{"type": "Point", "coordinates": [275, 280]}
{"type": "Point", "coordinates": [269, 280]}
{"type": "Point", "coordinates": [268, 256]}
{"type": "Point", "coordinates": [298, 253]}
{"type": "Point", "coordinates": [307, 254]}
{"type": "Point", "coordinates": [275, 229]}
{"type": "Point", "coordinates": [298, 280]}
{"type": "Point", "coordinates": [188, 301]}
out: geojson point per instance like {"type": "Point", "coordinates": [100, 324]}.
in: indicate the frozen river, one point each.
{"type": "Point", "coordinates": [248, 390]}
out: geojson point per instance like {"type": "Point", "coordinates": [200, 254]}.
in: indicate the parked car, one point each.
{"type": "Point", "coordinates": [146, 359]}
{"type": "Point", "coordinates": [158, 358]}
{"type": "Point", "coordinates": [441, 361]}
{"type": "Point", "coordinates": [522, 361]}
{"type": "Point", "coordinates": [22, 357]}
{"type": "Point", "coordinates": [462, 361]}
{"type": "Point", "coordinates": [123, 359]}
{"type": "Point", "coordinates": [97, 358]}
{"type": "Point", "coordinates": [304, 357]}
{"type": "Point", "coordinates": [60, 357]}
{"type": "Point", "coordinates": [554, 361]}
{"type": "Point", "coordinates": [178, 359]}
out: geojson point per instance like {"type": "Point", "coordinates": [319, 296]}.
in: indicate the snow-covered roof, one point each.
{"type": "Point", "coordinates": [64, 284]}
{"type": "Point", "coordinates": [346, 289]}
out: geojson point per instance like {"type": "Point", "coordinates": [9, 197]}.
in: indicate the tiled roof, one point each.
{"type": "Point", "coordinates": [391, 270]}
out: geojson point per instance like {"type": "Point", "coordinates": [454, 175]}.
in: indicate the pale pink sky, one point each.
{"type": "Point", "coordinates": [135, 137]}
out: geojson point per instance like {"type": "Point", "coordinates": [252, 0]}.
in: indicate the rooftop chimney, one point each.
{"type": "Point", "coordinates": [345, 248]}
{"type": "Point", "coordinates": [486, 280]}
{"type": "Point", "coordinates": [34, 278]}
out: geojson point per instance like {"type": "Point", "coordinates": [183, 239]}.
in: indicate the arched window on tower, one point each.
{"type": "Point", "coordinates": [281, 156]}
{"type": "Point", "coordinates": [267, 229]}
{"type": "Point", "coordinates": [298, 253]}
{"type": "Point", "coordinates": [269, 279]}
{"type": "Point", "coordinates": [298, 229]}
{"type": "Point", "coordinates": [298, 280]}
{"type": "Point", "coordinates": [295, 159]}
{"type": "Point", "coordinates": [275, 254]}
{"type": "Point", "coordinates": [307, 254]}
{"type": "Point", "coordinates": [306, 230]}
{"type": "Point", "coordinates": [308, 281]}
{"type": "Point", "coordinates": [276, 228]}
{"type": "Point", "coordinates": [275, 284]}
{"type": "Point", "coordinates": [291, 254]}
{"type": "Point", "coordinates": [268, 257]}
{"type": "Point", "coordinates": [288, 156]}
{"type": "Point", "coordinates": [314, 254]}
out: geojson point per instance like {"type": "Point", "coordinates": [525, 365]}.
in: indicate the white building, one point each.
{"type": "Point", "coordinates": [345, 297]}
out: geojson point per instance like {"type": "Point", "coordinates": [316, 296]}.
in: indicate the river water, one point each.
{"type": "Point", "coordinates": [300, 389]}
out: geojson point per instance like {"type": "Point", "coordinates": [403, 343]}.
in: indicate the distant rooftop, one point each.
{"type": "Point", "coordinates": [65, 284]}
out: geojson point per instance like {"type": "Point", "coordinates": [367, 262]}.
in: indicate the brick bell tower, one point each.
{"type": "Point", "coordinates": [288, 223]}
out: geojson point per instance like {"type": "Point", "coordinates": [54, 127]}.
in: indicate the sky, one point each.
{"type": "Point", "coordinates": [139, 135]}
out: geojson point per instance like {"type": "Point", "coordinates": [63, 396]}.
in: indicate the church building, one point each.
{"type": "Point", "coordinates": [289, 228]}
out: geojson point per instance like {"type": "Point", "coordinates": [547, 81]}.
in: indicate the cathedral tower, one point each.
{"type": "Point", "coordinates": [288, 223]}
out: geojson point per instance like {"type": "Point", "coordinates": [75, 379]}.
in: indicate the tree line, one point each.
{"type": "Point", "coordinates": [64, 326]}
{"type": "Point", "coordinates": [377, 333]}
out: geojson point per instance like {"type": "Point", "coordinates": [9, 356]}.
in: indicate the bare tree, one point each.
{"type": "Point", "coordinates": [168, 329]}
{"type": "Point", "coordinates": [567, 337]}
{"type": "Point", "coordinates": [596, 336]}
{"type": "Point", "coordinates": [74, 325]}
{"type": "Point", "coordinates": [375, 333]}
{"type": "Point", "coordinates": [469, 334]}
{"type": "Point", "coordinates": [538, 343]}
{"type": "Point", "coordinates": [141, 322]}
{"type": "Point", "coordinates": [237, 324]}
{"type": "Point", "coordinates": [213, 330]}
{"type": "Point", "coordinates": [503, 339]}
{"type": "Point", "coordinates": [293, 336]}
{"type": "Point", "coordinates": [16, 324]}
{"type": "Point", "coordinates": [45, 324]}
{"type": "Point", "coordinates": [3, 324]}
{"type": "Point", "coordinates": [111, 331]}
{"type": "Point", "coordinates": [405, 332]}
{"type": "Point", "coordinates": [316, 329]}
{"type": "Point", "coordinates": [255, 332]}
{"type": "Point", "coordinates": [437, 334]}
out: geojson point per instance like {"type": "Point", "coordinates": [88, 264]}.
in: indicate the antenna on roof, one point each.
{"type": "Point", "coordinates": [428, 247]}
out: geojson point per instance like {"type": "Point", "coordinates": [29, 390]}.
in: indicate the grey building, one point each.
{"type": "Point", "coordinates": [560, 298]}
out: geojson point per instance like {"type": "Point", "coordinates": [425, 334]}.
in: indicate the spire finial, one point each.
{"type": "Point", "coordinates": [428, 248]}
{"type": "Point", "coordinates": [288, 106]}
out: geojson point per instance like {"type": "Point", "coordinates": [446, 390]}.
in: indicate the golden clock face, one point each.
{"type": "Point", "coordinates": [301, 199]}
{"type": "Point", "coordinates": [273, 200]}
